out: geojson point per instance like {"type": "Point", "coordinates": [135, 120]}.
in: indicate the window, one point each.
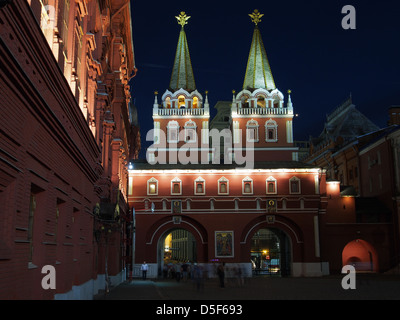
{"type": "Point", "coordinates": [181, 102]}
{"type": "Point", "coordinates": [190, 131]}
{"type": "Point", "coordinates": [199, 186]}
{"type": "Point", "coordinates": [152, 187]}
{"type": "Point", "coordinates": [59, 210]}
{"type": "Point", "coordinates": [252, 131]}
{"type": "Point", "coordinates": [168, 102]}
{"type": "Point", "coordinates": [195, 102]}
{"type": "Point", "coordinates": [173, 132]}
{"type": "Point", "coordinates": [223, 186]}
{"type": "Point", "coordinates": [294, 185]}
{"type": "Point", "coordinates": [35, 201]}
{"type": "Point", "coordinates": [245, 101]}
{"type": "Point", "coordinates": [261, 102]}
{"type": "Point", "coordinates": [247, 186]}
{"type": "Point", "coordinates": [32, 208]}
{"type": "Point", "coordinates": [271, 185]}
{"type": "Point", "coordinates": [156, 132]}
{"type": "Point", "coordinates": [176, 186]}
{"type": "Point", "coordinates": [271, 131]}
{"type": "Point", "coordinates": [236, 132]}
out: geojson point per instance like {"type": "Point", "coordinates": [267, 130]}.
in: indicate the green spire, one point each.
{"type": "Point", "coordinates": [182, 72]}
{"type": "Point", "coordinates": [258, 71]}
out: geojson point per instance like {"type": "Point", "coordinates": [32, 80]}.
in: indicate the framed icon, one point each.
{"type": "Point", "coordinates": [224, 244]}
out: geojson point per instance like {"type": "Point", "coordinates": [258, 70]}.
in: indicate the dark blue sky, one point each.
{"type": "Point", "coordinates": [308, 50]}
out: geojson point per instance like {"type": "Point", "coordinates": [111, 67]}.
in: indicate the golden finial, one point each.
{"type": "Point", "coordinates": [289, 91]}
{"type": "Point", "coordinates": [182, 18]}
{"type": "Point", "coordinates": [256, 16]}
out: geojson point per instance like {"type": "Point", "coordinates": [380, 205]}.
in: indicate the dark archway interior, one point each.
{"type": "Point", "coordinates": [270, 252]}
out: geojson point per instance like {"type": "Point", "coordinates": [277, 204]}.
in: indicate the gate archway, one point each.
{"type": "Point", "coordinates": [280, 230]}
{"type": "Point", "coordinates": [175, 247]}
{"type": "Point", "coordinates": [360, 254]}
{"type": "Point", "coordinates": [270, 252]}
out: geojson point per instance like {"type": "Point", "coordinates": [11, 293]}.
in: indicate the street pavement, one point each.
{"type": "Point", "coordinates": [368, 287]}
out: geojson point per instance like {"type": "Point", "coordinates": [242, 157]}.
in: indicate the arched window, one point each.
{"type": "Point", "coordinates": [173, 132]}
{"type": "Point", "coordinates": [223, 186]}
{"type": "Point", "coordinates": [261, 102]}
{"type": "Point", "coordinates": [152, 187]}
{"type": "Point", "coordinates": [252, 131]}
{"type": "Point", "coordinates": [245, 101]}
{"type": "Point", "coordinates": [247, 185]}
{"type": "Point", "coordinates": [271, 185]}
{"type": "Point", "coordinates": [271, 131]}
{"type": "Point", "coordinates": [168, 102]}
{"type": "Point", "coordinates": [190, 131]}
{"type": "Point", "coordinates": [176, 186]}
{"type": "Point", "coordinates": [199, 186]}
{"type": "Point", "coordinates": [294, 185]}
{"type": "Point", "coordinates": [181, 101]}
{"type": "Point", "coordinates": [195, 102]}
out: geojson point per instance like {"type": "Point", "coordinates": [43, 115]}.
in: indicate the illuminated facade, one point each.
{"type": "Point", "coordinates": [250, 203]}
{"type": "Point", "coordinates": [66, 129]}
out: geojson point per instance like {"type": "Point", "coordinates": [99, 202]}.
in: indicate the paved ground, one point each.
{"type": "Point", "coordinates": [368, 286]}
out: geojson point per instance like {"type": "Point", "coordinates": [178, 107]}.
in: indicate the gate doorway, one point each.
{"type": "Point", "coordinates": [270, 252]}
{"type": "Point", "coordinates": [175, 248]}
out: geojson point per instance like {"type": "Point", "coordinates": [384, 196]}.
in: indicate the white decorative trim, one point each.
{"type": "Point", "coordinates": [152, 180]}
{"type": "Point", "coordinates": [294, 178]}
{"type": "Point", "coordinates": [173, 181]}
{"type": "Point", "coordinates": [200, 179]}
{"type": "Point", "coordinates": [247, 179]}
{"type": "Point", "coordinates": [223, 179]}
{"type": "Point", "coordinates": [271, 179]}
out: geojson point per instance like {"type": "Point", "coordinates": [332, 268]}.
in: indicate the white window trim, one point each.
{"type": "Point", "coordinates": [271, 124]}
{"type": "Point", "coordinates": [252, 125]}
{"type": "Point", "coordinates": [151, 180]}
{"type": "Point", "coordinates": [223, 179]}
{"type": "Point", "coordinates": [173, 181]}
{"type": "Point", "coordinates": [290, 185]}
{"type": "Point", "coordinates": [271, 179]}
{"type": "Point", "coordinates": [173, 125]}
{"type": "Point", "coordinates": [236, 132]}
{"type": "Point", "coordinates": [190, 127]}
{"type": "Point", "coordinates": [200, 179]}
{"type": "Point", "coordinates": [247, 179]}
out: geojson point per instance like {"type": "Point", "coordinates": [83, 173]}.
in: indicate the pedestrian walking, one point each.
{"type": "Point", "coordinates": [221, 274]}
{"type": "Point", "coordinates": [198, 277]}
{"type": "Point", "coordinates": [144, 269]}
{"type": "Point", "coordinates": [185, 268]}
{"type": "Point", "coordinates": [178, 272]}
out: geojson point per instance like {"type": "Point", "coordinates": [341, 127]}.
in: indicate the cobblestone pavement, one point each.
{"type": "Point", "coordinates": [368, 286]}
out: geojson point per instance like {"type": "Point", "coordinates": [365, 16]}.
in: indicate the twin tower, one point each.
{"type": "Point", "coordinates": [259, 127]}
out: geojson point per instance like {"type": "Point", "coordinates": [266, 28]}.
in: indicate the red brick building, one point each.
{"type": "Point", "coordinates": [365, 161]}
{"type": "Point", "coordinates": [245, 199]}
{"type": "Point", "coordinates": [65, 122]}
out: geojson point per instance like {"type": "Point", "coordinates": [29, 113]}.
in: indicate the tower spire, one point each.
{"type": "Point", "coordinates": [182, 71]}
{"type": "Point", "coordinates": [258, 72]}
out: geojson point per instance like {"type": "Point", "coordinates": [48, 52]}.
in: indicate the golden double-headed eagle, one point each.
{"type": "Point", "coordinates": [256, 16]}
{"type": "Point", "coordinates": [182, 18]}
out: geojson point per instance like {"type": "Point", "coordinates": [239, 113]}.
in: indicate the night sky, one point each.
{"type": "Point", "coordinates": [308, 50]}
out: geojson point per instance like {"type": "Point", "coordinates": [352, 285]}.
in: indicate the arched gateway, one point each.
{"type": "Point", "coordinates": [267, 245]}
